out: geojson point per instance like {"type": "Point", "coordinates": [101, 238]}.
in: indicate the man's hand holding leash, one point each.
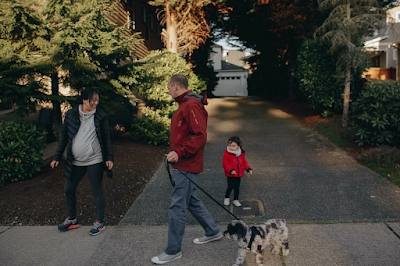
{"type": "Point", "coordinates": [172, 157]}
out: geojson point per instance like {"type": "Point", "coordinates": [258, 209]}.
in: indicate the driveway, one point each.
{"type": "Point", "coordinates": [298, 174]}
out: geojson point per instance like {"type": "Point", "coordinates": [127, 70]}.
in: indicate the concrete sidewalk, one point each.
{"type": "Point", "coordinates": [338, 212]}
{"type": "Point", "coordinates": [364, 244]}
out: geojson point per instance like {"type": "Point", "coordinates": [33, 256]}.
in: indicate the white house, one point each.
{"type": "Point", "coordinates": [232, 78]}
{"type": "Point", "coordinates": [383, 48]}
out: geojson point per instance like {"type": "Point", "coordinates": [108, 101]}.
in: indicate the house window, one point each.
{"type": "Point", "coordinates": [237, 77]}
{"type": "Point", "coordinates": [222, 78]}
{"type": "Point", "coordinates": [148, 21]}
{"type": "Point", "coordinates": [395, 54]}
{"type": "Point", "coordinates": [147, 18]}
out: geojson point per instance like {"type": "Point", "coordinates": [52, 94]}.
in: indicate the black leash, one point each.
{"type": "Point", "coordinates": [173, 184]}
{"type": "Point", "coordinates": [169, 172]}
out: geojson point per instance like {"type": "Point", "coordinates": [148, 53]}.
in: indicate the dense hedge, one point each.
{"type": "Point", "coordinates": [320, 81]}
{"type": "Point", "coordinates": [377, 114]}
{"type": "Point", "coordinates": [152, 128]}
{"type": "Point", "coordinates": [21, 149]}
{"type": "Point", "coordinates": [152, 75]}
{"type": "Point", "coordinates": [316, 68]}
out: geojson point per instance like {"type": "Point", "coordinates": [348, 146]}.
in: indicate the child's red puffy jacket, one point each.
{"type": "Point", "coordinates": [231, 162]}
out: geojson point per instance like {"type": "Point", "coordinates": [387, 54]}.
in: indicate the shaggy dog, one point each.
{"type": "Point", "coordinates": [257, 238]}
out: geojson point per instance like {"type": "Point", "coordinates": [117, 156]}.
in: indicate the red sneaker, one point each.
{"type": "Point", "coordinates": [68, 225]}
{"type": "Point", "coordinates": [97, 228]}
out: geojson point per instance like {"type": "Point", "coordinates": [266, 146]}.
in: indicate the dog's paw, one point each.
{"type": "Point", "coordinates": [275, 251]}
{"type": "Point", "coordinates": [285, 252]}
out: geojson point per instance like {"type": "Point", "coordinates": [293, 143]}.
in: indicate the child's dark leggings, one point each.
{"type": "Point", "coordinates": [233, 183]}
{"type": "Point", "coordinates": [95, 172]}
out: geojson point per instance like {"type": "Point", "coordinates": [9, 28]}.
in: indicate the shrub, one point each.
{"type": "Point", "coordinates": [377, 119]}
{"type": "Point", "coordinates": [21, 148]}
{"type": "Point", "coordinates": [152, 75]}
{"type": "Point", "coordinates": [152, 128]}
{"type": "Point", "coordinates": [316, 75]}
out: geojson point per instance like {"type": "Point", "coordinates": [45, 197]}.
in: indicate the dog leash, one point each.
{"type": "Point", "coordinates": [169, 172]}
{"type": "Point", "coordinates": [173, 184]}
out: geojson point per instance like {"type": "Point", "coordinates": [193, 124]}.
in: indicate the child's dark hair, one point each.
{"type": "Point", "coordinates": [235, 139]}
{"type": "Point", "coordinates": [86, 94]}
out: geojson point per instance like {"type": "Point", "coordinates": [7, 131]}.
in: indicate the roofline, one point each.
{"type": "Point", "coordinates": [378, 39]}
{"type": "Point", "coordinates": [217, 45]}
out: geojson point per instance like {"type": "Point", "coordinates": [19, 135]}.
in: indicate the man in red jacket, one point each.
{"type": "Point", "coordinates": [187, 140]}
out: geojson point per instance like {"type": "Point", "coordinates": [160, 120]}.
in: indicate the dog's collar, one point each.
{"type": "Point", "coordinates": [254, 232]}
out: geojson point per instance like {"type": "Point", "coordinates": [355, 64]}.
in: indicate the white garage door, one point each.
{"type": "Point", "coordinates": [229, 86]}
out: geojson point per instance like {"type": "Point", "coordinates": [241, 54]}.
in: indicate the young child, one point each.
{"type": "Point", "coordinates": [234, 163]}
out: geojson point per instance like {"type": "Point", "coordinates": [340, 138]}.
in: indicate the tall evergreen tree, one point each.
{"type": "Point", "coordinates": [23, 38]}
{"type": "Point", "coordinates": [87, 49]}
{"type": "Point", "coordinates": [83, 47]}
{"type": "Point", "coordinates": [349, 21]}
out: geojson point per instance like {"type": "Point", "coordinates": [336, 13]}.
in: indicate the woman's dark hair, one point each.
{"type": "Point", "coordinates": [86, 94]}
{"type": "Point", "coordinates": [235, 139]}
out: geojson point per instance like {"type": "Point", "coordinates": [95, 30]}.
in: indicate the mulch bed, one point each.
{"type": "Point", "coordinates": [40, 200]}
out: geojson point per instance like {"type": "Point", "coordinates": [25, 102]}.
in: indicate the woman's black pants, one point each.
{"type": "Point", "coordinates": [95, 173]}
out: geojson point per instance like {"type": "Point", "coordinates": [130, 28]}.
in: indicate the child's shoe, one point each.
{"type": "Point", "coordinates": [226, 202]}
{"type": "Point", "coordinates": [237, 203]}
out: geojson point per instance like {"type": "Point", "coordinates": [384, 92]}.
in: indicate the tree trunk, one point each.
{"type": "Point", "coordinates": [172, 35]}
{"type": "Point", "coordinates": [346, 97]}
{"type": "Point", "coordinates": [56, 123]}
{"type": "Point", "coordinates": [398, 62]}
{"type": "Point", "coordinates": [55, 92]}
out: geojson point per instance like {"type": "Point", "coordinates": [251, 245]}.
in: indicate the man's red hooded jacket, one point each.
{"type": "Point", "coordinates": [189, 132]}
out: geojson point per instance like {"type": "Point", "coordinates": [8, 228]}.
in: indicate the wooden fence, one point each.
{"type": "Point", "coordinates": [380, 73]}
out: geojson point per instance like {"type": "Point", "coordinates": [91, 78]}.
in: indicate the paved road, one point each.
{"type": "Point", "coordinates": [338, 212]}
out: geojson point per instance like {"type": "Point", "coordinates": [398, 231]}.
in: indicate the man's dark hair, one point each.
{"type": "Point", "coordinates": [235, 139]}
{"type": "Point", "coordinates": [180, 80]}
{"type": "Point", "coordinates": [86, 94]}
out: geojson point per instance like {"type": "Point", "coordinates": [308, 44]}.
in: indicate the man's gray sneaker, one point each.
{"type": "Point", "coordinates": [165, 258]}
{"type": "Point", "coordinates": [206, 239]}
